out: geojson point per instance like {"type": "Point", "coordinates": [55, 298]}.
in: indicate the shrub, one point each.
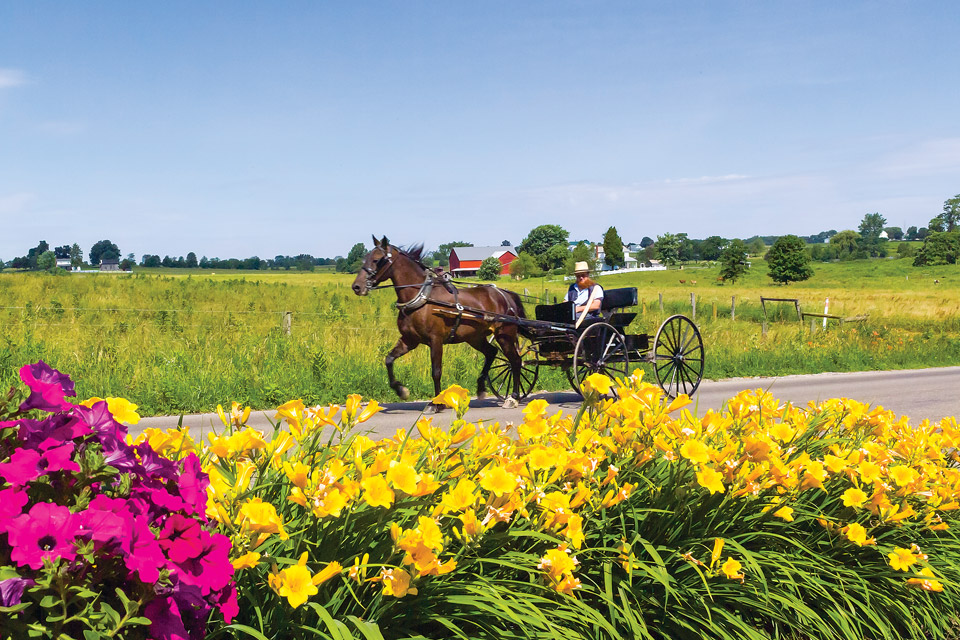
{"type": "Point", "coordinates": [489, 269]}
{"type": "Point", "coordinates": [99, 538]}
{"type": "Point", "coordinates": [632, 518]}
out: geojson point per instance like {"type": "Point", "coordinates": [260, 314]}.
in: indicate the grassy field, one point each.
{"type": "Point", "coordinates": [186, 340]}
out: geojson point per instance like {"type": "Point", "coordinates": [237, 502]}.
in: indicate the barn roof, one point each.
{"type": "Point", "coordinates": [481, 253]}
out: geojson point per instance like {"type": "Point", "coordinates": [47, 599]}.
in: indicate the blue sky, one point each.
{"type": "Point", "coordinates": [236, 128]}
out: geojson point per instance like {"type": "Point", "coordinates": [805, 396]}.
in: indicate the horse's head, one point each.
{"type": "Point", "coordinates": [376, 267]}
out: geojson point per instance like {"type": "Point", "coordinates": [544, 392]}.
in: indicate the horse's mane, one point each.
{"type": "Point", "coordinates": [414, 252]}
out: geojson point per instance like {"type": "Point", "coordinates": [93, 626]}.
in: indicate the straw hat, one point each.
{"type": "Point", "coordinates": [581, 267]}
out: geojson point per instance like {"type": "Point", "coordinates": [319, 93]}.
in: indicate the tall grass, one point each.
{"type": "Point", "coordinates": [187, 342]}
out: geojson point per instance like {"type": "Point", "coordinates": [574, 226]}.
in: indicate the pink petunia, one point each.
{"type": "Point", "coordinates": [58, 427]}
{"type": "Point", "coordinates": [12, 501]}
{"type": "Point", "coordinates": [143, 554]}
{"type": "Point", "coordinates": [27, 465]}
{"type": "Point", "coordinates": [47, 387]}
{"type": "Point", "coordinates": [180, 538]}
{"type": "Point", "coordinates": [193, 485]}
{"type": "Point", "coordinates": [165, 620]}
{"type": "Point", "coordinates": [46, 531]}
{"type": "Point", "coordinates": [211, 569]}
{"type": "Point", "coordinates": [106, 520]}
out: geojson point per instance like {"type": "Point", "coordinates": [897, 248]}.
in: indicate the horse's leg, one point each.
{"type": "Point", "coordinates": [510, 345]}
{"type": "Point", "coordinates": [402, 347]}
{"type": "Point", "coordinates": [489, 353]}
{"type": "Point", "coordinates": [436, 369]}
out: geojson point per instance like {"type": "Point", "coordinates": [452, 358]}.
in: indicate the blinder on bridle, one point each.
{"type": "Point", "coordinates": [379, 271]}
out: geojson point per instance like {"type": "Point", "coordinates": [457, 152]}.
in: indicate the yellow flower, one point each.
{"type": "Point", "coordinates": [403, 476]}
{"type": "Point", "coordinates": [597, 383]}
{"type": "Point", "coordinates": [902, 559]}
{"type": "Point", "coordinates": [712, 480]}
{"type": "Point", "coordinates": [498, 480]}
{"type": "Point", "coordinates": [835, 464]}
{"type": "Point", "coordinates": [376, 492]}
{"type": "Point", "coordinates": [463, 433]}
{"type": "Point", "coordinates": [557, 562]}
{"type": "Point", "coordinates": [294, 583]}
{"type": "Point", "coordinates": [717, 550]}
{"type": "Point", "coordinates": [122, 409]}
{"type": "Point", "coordinates": [331, 570]}
{"type": "Point", "coordinates": [869, 471]}
{"type": "Point", "coordinates": [696, 451]}
{"type": "Point", "coordinates": [731, 569]}
{"type": "Point", "coordinates": [258, 516]}
{"type": "Point", "coordinates": [927, 583]}
{"type": "Point", "coordinates": [854, 497]}
{"type": "Point", "coordinates": [455, 397]}
{"type": "Point", "coordinates": [246, 561]}
{"type": "Point", "coordinates": [679, 402]}
{"type": "Point", "coordinates": [857, 534]}
{"type": "Point", "coordinates": [358, 571]}
{"type": "Point", "coordinates": [903, 475]}
{"type": "Point", "coordinates": [396, 583]}
{"type": "Point", "coordinates": [461, 497]}
{"type": "Point", "coordinates": [541, 457]}
{"type": "Point", "coordinates": [574, 531]}
{"type": "Point", "coordinates": [535, 409]}
{"type": "Point", "coordinates": [785, 513]}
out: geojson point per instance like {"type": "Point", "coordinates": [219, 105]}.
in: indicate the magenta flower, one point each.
{"type": "Point", "coordinates": [11, 590]}
{"type": "Point", "coordinates": [143, 554]}
{"type": "Point", "coordinates": [105, 520]}
{"type": "Point", "coordinates": [155, 465]}
{"type": "Point", "coordinates": [180, 538]}
{"type": "Point", "coordinates": [26, 464]}
{"type": "Point", "coordinates": [58, 427]}
{"type": "Point", "coordinates": [210, 569]}
{"type": "Point", "coordinates": [47, 387]}
{"type": "Point", "coordinates": [165, 621]}
{"type": "Point", "coordinates": [227, 603]}
{"type": "Point", "coordinates": [193, 486]}
{"type": "Point", "coordinates": [46, 531]}
{"type": "Point", "coordinates": [12, 501]}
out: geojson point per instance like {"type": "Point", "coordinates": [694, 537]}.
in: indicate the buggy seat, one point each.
{"type": "Point", "coordinates": [615, 299]}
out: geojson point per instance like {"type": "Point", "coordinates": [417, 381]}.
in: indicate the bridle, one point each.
{"type": "Point", "coordinates": [379, 272]}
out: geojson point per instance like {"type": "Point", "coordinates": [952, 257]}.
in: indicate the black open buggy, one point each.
{"type": "Point", "coordinates": [600, 345]}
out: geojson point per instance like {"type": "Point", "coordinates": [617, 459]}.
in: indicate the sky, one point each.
{"type": "Point", "coordinates": [234, 129]}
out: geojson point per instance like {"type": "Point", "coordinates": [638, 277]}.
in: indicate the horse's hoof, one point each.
{"type": "Point", "coordinates": [432, 408]}
{"type": "Point", "coordinates": [402, 392]}
{"type": "Point", "coordinates": [481, 395]}
{"type": "Point", "coordinates": [510, 403]}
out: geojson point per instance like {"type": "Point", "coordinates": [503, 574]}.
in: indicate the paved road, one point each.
{"type": "Point", "coordinates": [921, 393]}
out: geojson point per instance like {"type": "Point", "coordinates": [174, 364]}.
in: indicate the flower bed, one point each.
{"type": "Point", "coordinates": [633, 518]}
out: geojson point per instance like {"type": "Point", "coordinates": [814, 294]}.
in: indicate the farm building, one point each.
{"type": "Point", "coordinates": [464, 261]}
{"type": "Point", "coordinates": [110, 264]}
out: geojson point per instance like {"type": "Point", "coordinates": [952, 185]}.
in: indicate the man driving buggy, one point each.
{"type": "Point", "coordinates": [584, 292]}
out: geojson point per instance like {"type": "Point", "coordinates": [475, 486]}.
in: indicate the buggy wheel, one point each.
{"type": "Point", "coordinates": [600, 349]}
{"type": "Point", "coordinates": [678, 356]}
{"type": "Point", "coordinates": [500, 376]}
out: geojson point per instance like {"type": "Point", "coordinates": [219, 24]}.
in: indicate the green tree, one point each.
{"type": "Point", "coordinates": [788, 260]}
{"type": "Point", "coordinates": [583, 252]}
{"type": "Point", "coordinates": [489, 269]}
{"type": "Point", "coordinates": [62, 252]}
{"type": "Point", "coordinates": [668, 248]}
{"type": "Point", "coordinates": [646, 242]}
{"type": "Point", "coordinates": [756, 247]}
{"type": "Point", "coordinates": [870, 241]}
{"type": "Point", "coordinates": [613, 248]}
{"type": "Point", "coordinates": [47, 261]}
{"type": "Point", "coordinates": [104, 250]}
{"type": "Point", "coordinates": [524, 266]}
{"type": "Point", "coordinates": [894, 233]}
{"type": "Point", "coordinates": [442, 253]}
{"type": "Point", "coordinates": [733, 261]}
{"type": "Point", "coordinates": [906, 250]}
{"type": "Point", "coordinates": [76, 255]}
{"type": "Point", "coordinates": [192, 261]}
{"type": "Point", "coordinates": [847, 243]}
{"type": "Point", "coordinates": [554, 258]}
{"type": "Point", "coordinates": [712, 248]}
{"type": "Point", "coordinates": [911, 233]}
{"type": "Point", "coordinates": [351, 264]}
{"type": "Point", "coordinates": [940, 247]}
{"type": "Point", "coordinates": [949, 220]}
{"type": "Point", "coordinates": [542, 238]}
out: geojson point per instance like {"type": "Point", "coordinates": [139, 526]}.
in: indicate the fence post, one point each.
{"type": "Point", "coordinates": [644, 310]}
{"type": "Point", "coordinates": [714, 310]}
{"type": "Point", "coordinates": [661, 302]}
{"type": "Point", "coordinates": [693, 306]}
{"type": "Point", "coordinates": [287, 321]}
{"type": "Point", "coordinates": [733, 308]}
{"type": "Point", "coordinates": [813, 327]}
{"type": "Point", "coordinates": [763, 328]}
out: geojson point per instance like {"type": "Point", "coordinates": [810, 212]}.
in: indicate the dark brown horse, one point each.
{"type": "Point", "coordinates": [429, 315]}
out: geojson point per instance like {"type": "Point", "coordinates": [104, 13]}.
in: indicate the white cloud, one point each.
{"type": "Point", "coordinates": [12, 78]}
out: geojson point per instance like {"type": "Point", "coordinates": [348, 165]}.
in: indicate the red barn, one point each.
{"type": "Point", "coordinates": [464, 261]}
